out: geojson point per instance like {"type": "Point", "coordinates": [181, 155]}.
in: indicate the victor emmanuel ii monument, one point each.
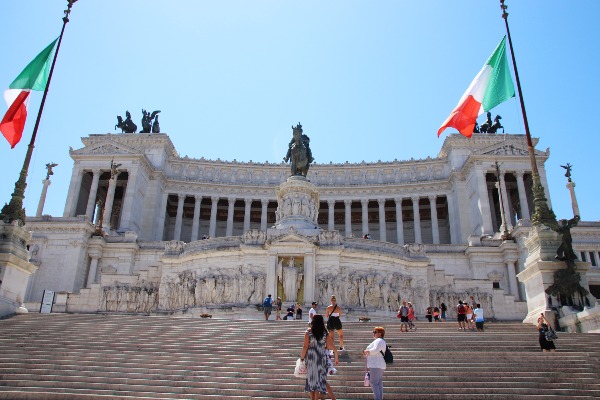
{"type": "Point", "coordinates": [145, 230]}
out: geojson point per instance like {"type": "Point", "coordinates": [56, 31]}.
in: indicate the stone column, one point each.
{"type": "Point", "coordinates": [196, 220]}
{"type": "Point", "coordinates": [435, 229]}
{"type": "Point", "coordinates": [129, 200]}
{"type": "Point", "coordinates": [524, 205]}
{"type": "Point", "coordinates": [331, 220]}
{"type": "Point", "coordinates": [230, 209]}
{"type": "Point", "coordinates": [484, 203]}
{"type": "Point", "coordinates": [502, 228]}
{"type": "Point", "coordinates": [91, 204]}
{"type": "Point", "coordinates": [247, 206]}
{"type": "Point", "coordinates": [40, 209]}
{"type": "Point", "coordinates": [179, 217]}
{"type": "Point", "coordinates": [271, 280]}
{"type": "Point", "coordinates": [348, 217]}
{"type": "Point", "coordinates": [493, 212]}
{"type": "Point", "coordinates": [574, 204]}
{"type": "Point", "coordinates": [417, 219]}
{"type": "Point", "coordinates": [91, 278]}
{"type": "Point", "coordinates": [399, 222]}
{"type": "Point", "coordinates": [73, 194]}
{"type": "Point", "coordinates": [110, 198]}
{"type": "Point", "coordinates": [365, 216]}
{"type": "Point", "coordinates": [160, 221]}
{"type": "Point", "coordinates": [512, 279]}
{"type": "Point", "coordinates": [263, 214]}
{"type": "Point", "coordinates": [506, 203]}
{"type": "Point", "coordinates": [213, 216]}
{"type": "Point", "coordinates": [452, 221]}
{"type": "Point", "coordinates": [382, 227]}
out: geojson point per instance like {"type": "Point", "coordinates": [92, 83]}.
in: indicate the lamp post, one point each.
{"type": "Point", "coordinates": [14, 209]}
{"type": "Point", "coordinates": [541, 213]}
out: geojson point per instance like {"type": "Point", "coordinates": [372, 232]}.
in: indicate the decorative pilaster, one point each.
{"type": "Point", "coordinates": [512, 279]}
{"type": "Point", "coordinates": [73, 194]}
{"type": "Point", "coordinates": [160, 221]}
{"type": "Point", "coordinates": [506, 203]}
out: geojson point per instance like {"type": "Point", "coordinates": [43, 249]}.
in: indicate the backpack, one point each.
{"type": "Point", "coordinates": [267, 302]}
{"type": "Point", "coordinates": [461, 309]}
{"type": "Point", "coordinates": [387, 356]}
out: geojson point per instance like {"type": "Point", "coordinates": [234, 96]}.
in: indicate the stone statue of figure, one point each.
{"type": "Point", "coordinates": [299, 152]}
{"type": "Point", "coordinates": [147, 120]}
{"type": "Point", "coordinates": [49, 167]}
{"type": "Point", "coordinates": [568, 167]}
{"type": "Point", "coordinates": [565, 250]}
{"type": "Point", "coordinates": [127, 125]}
{"type": "Point", "coordinates": [290, 281]}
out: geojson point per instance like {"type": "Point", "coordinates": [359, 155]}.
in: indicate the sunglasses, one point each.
{"type": "Point", "coordinates": [375, 332]}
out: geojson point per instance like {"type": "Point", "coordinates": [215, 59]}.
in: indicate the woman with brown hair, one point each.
{"type": "Point", "coordinates": [333, 314]}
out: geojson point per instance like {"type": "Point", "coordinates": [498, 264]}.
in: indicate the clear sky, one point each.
{"type": "Point", "coordinates": [368, 80]}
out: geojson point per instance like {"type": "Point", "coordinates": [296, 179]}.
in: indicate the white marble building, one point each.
{"type": "Point", "coordinates": [433, 225]}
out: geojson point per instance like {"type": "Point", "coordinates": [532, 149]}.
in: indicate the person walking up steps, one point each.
{"type": "Point", "coordinates": [461, 315]}
{"type": "Point", "coordinates": [411, 317]}
{"type": "Point", "coordinates": [334, 323]}
{"type": "Point", "coordinates": [403, 313]}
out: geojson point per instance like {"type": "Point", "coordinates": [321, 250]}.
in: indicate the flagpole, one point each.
{"type": "Point", "coordinates": [541, 214]}
{"type": "Point", "coordinates": [14, 210]}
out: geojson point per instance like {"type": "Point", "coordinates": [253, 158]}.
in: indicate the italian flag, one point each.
{"type": "Point", "coordinates": [492, 86]}
{"type": "Point", "coordinates": [33, 77]}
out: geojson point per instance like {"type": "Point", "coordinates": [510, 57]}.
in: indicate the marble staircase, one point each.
{"type": "Point", "coordinates": [94, 356]}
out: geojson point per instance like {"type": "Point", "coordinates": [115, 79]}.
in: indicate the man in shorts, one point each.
{"type": "Point", "coordinates": [403, 313]}
{"type": "Point", "coordinates": [268, 306]}
{"type": "Point", "coordinates": [461, 315]}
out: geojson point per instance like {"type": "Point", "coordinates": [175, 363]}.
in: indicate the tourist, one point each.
{"type": "Point", "coordinates": [278, 305]}
{"type": "Point", "coordinates": [429, 314]}
{"type": "Point", "coordinates": [411, 317]}
{"type": "Point", "coordinates": [298, 310]}
{"type": "Point", "coordinates": [314, 352]}
{"type": "Point", "coordinates": [312, 312]}
{"type": "Point", "coordinates": [444, 310]}
{"type": "Point", "coordinates": [469, 320]}
{"type": "Point", "coordinates": [268, 306]}
{"type": "Point", "coordinates": [472, 302]}
{"type": "Point", "coordinates": [436, 314]}
{"type": "Point", "coordinates": [461, 315]}
{"type": "Point", "coordinates": [334, 323]}
{"type": "Point", "coordinates": [478, 318]}
{"type": "Point", "coordinates": [543, 326]}
{"type": "Point", "coordinates": [403, 313]}
{"type": "Point", "coordinates": [375, 362]}
{"type": "Point", "coordinates": [290, 314]}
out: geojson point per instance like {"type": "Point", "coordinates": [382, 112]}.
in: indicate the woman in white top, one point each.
{"type": "Point", "coordinates": [375, 362]}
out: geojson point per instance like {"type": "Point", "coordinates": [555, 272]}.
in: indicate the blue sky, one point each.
{"type": "Point", "coordinates": [367, 80]}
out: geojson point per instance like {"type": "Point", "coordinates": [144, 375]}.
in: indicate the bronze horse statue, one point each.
{"type": "Point", "coordinates": [299, 152]}
{"type": "Point", "coordinates": [127, 125]}
{"type": "Point", "coordinates": [491, 127]}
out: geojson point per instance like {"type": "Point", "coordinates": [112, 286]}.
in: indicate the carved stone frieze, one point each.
{"type": "Point", "coordinates": [254, 237]}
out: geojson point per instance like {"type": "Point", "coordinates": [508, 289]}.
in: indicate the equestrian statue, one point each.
{"type": "Point", "coordinates": [127, 125]}
{"type": "Point", "coordinates": [299, 152]}
{"type": "Point", "coordinates": [147, 120]}
{"type": "Point", "coordinates": [491, 127]}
